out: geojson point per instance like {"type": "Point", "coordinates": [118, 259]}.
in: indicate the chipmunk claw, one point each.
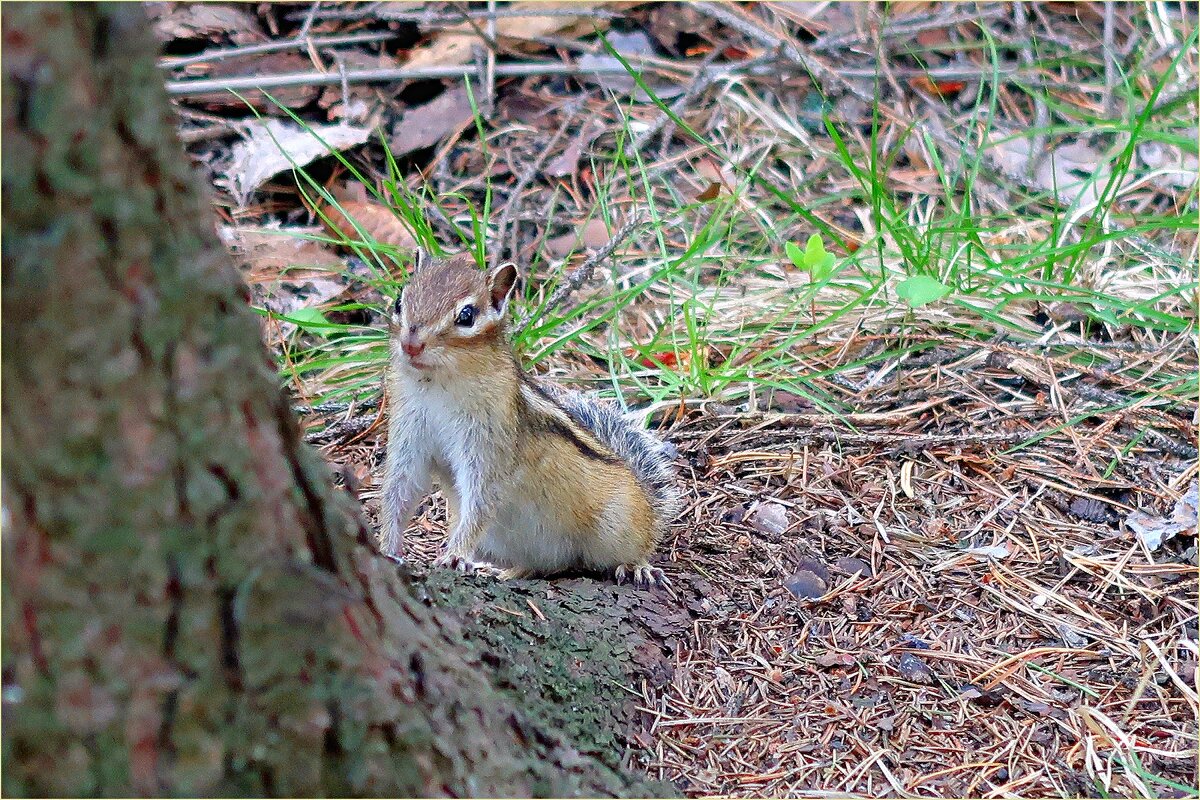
{"type": "Point", "coordinates": [466, 566]}
{"type": "Point", "coordinates": [642, 576]}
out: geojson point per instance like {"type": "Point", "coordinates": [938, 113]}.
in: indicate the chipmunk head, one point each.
{"type": "Point", "coordinates": [450, 313]}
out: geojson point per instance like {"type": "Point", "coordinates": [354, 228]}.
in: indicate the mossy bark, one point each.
{"type": "Point", "coordinates": [188, 606]}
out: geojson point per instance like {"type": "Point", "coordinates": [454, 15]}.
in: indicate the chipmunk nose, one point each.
{"type": "Point", "coordinates": [411, 347]}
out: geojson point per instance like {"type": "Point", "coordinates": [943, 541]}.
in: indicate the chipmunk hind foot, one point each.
{"type": "Point", "coordinates": [642, 575]}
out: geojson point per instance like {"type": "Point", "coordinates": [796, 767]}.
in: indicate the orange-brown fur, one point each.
{"type": "Point", "coordinates": [509, 459]}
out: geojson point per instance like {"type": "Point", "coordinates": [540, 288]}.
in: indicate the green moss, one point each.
{"type": "Point", "coordinates": [567, 671]}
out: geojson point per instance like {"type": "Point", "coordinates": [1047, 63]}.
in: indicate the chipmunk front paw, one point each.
{"type": "Point", "coordinates": [466, 566]}
{"type": "Point", "coordinates": [641, 575]}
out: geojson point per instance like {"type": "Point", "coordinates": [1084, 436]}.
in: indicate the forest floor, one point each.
{"type": "Point", "coordinates": [912, 290]}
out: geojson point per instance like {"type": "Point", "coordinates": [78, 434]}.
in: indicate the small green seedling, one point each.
{"type": "Point", "coordinates": [308, 318]}
{"type": "Point", "coordinates": [921, 290]}
{"type": "Point", "coordinates": [813, 259]}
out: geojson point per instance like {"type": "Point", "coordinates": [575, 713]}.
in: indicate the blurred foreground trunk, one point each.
{"type": "Point", "coordinates": [189, 607]}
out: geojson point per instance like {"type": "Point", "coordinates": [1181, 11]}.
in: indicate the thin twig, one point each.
{"type": "Point", "coordinates": [1110, 64]}
{"type": "Point", "coordinates": [583, 274]}
{"type": "Point", "coordinates": [382, 75]}
{"type": "Point", "coordinates": [489, 72]}
{"type": "Point", "coordinates": [428, 18]}
{"type": "Point", "coordinates": [703, 80]}
{"type": "Point", "coordinates": [907, 28]}
{"type": "Point", "coordinates": [335, 408]}
{"type": "Point", "coordinates": [273, 47]}
{"type": "Point", "coordinates": [302, 36]}
{"type": "Point", "coordinates": [745, 24]}
{"type": "Point", "coordinates": [341, 430]}
{"type": "Point", "coordinates": [1041, 114]}
{"type": "Point", "coordinates": [545, 69]}
{"type": "Point", "coordinates": [514, 198]}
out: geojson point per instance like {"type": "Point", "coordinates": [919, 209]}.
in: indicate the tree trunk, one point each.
{"type": "Point", "coordinates": [188, 606]}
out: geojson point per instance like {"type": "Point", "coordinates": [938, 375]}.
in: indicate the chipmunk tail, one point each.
{"type": "Point", "coordinates": [650, 458]}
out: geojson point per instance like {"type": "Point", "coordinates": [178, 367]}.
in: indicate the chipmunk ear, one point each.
{"type": "Point", "coordinates": [501, 281]}
{"type": "Point", "coordinates": [421, 259]}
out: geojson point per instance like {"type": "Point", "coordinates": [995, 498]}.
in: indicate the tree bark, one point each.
{"type": "Point", "coordinates": [189, 607]}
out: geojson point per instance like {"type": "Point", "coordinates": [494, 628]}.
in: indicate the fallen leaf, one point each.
{"type": "Point", "coordinates": [850, 566]}
{"type": "Point", "coordinates": [266, 253]}
{"type": "Point", "coordinates": [709, 194]}
{"type": "Point", "coordinates": [912, 668]}
{"type": "Point", "coordinates": [813, 565]}
{"type": "Point", "coordinates": [997, 551]}
{"type": "Point", "coordinates": [669, 20]}
{"type": "Point", "coordinates": [1074, 172]}
{"type": "Point", "coordinates": [260, 64]}
{"type": "Point", "coordinates": [1152, 531]}
{"type": "Point", "coordinates": [204, 21]}
{"type": "Point", "coordinates": [806, 585]}
{"type": "Point", "coordinates": [289, 274]}
{"type": "Point", "coordinates": [769, 518]}
{"type": "Point", "coordinates": [1178, 171]}
{"type": "Point", "coordinates": [937, 88]}
{"type": "Point", "coordinates": [932, 37]}
{"type": "Point", "coordinates": [593, 235]}
{"type": "Point", "coordinates": [628, 45]}
{"type": "Point", "coordinates": [734, 515]}
{"type": "Point", "coordinates": [273, 146]}
{"type": "Point", "coordinates": [710, 171]}
{"type": "Point", "coordinates": [908, 640]}
{"type": "Point", "coordinates": [426, 125]}
{"type": "Point", "coordinates": [834, 660]}
{"type": "Point", "coordinates": [376, 219]}
{"type": "Point", "coordinates": [788, 402]}
{"type": "Point", "coordinates": [452, 45]}
{"type": "Point", "coordinates": [568, 160]}
{"type": "Point", "coordinates": [984, 697]}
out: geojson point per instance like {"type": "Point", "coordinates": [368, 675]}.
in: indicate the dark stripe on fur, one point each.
{"type": "Point", "coordinates": [553, 426]}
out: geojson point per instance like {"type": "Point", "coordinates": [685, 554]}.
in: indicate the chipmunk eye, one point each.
{"type": "Point", "coordinates": [396, 307]}
{"type": "Point", "coordinates": [466, 317]}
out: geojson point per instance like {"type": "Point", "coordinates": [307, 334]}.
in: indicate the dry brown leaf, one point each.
{"type": "Point", "coordinates": [709, 194]}
{"type": "Point", "coordinates": [1176, 170]}
{"type": "Point", "coordinates": [453, 45]}
{"type": "Point", "coordinates": [375, 219]}
{"type": "Point", "coordinates": [830, 19]}
{"type": "Point", "coordinates": [208, 21]}
{"type": "Point", "coordinates": [286, 271]}
{"type": "Point", "coordinates": [274, 146]}
{"type": "Point", "coordinates": [712, 172]}
{"type": "Point", "coordinates": [426, 125]}
{"type": "Point", "coordinates": [669, 20]}
{"type": "Point", "coordinates": [806, 585]}
{"type": "Point", "coordinates": [261, 64]}
{"type": "Point", "coordinates": [1073, 171]}
{"type": "Point", "coordinates": [266, 253]}
{"type": "Point", "coordinates": [567, 161]}
{"type": "Point", "coordinates": [770, 518]}
{"type": "Point", "coordinates": [592, 235]}
{"type": "Point", "coordinates": [912, 668]}
{"type": "Point", "coordinates": [850, 565]}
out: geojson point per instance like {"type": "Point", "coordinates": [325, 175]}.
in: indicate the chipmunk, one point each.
{"type": "Point", "coordinates": [537, 479]}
